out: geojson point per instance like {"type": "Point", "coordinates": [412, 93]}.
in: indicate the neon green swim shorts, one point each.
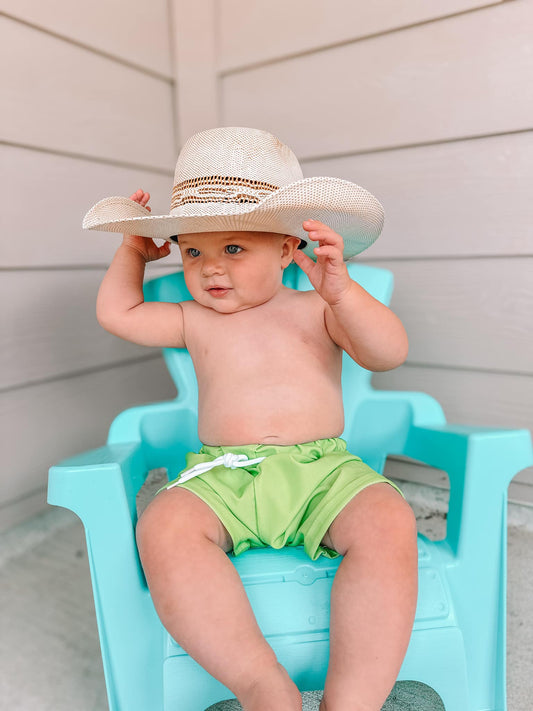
{"type": "Point", "coordinates": [267, 495]}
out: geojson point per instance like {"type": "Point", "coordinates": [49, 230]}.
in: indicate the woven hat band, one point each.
{"type": "Point", "coordinates": [220, 189]}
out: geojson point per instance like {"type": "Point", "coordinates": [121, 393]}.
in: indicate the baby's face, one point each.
{"type": "Point", "coordinates": [234, 271]}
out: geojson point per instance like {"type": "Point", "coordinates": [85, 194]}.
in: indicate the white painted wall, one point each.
{"type": "Point", "coordinates": [425, 104]}
{"type": "Point", "coordinates": [87, 111]}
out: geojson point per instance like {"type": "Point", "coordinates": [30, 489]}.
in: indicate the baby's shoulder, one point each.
{"type": "Point", "coordinates": [304, 311]}
{"type": "Point", "coordinates": [191, 305]}
{"type": "Point", "coordinates": [305, 301]}
{"type": "Point", "coordinates": [193, 313]}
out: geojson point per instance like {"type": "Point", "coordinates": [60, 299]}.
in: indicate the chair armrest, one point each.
{"type": "Point", "coordinates": [107, 478]}
{"type": "Point", "coordinates": [480, 463]}
{"type": "Point", "coordinates": [167, 430]}
{"type": "Point", "coordinates": [381, 422]}
{"type": "Point", "coordinates": [453, 448]}
{"type": "Point", "coordinates": [100, 487]}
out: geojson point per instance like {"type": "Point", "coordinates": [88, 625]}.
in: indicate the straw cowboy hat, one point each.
{"type": "Point", "coordinates": [246, 179]}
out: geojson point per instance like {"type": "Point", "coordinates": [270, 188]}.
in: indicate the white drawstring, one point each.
{"type": "Point", "coordinates": [228, 460]}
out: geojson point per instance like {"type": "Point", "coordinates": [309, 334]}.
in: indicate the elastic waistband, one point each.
{"type": "Point", "coordinates": [318, 448]}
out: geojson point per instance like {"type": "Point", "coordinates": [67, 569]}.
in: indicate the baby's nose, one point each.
{"type": "Point", "coordinates": [211, 266]}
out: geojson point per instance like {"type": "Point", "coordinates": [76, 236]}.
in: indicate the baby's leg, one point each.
{"type": "Point", "coordinates": [373, 599]}
{"type": "Point", "coordinates": [202, 603]}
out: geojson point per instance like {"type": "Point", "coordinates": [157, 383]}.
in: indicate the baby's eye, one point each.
{"type": "Point", "coordinates": [193, 252]}
{"type": "Point", "coordinates": [233, 249]}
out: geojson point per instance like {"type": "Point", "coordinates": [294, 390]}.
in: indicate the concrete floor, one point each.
{"type": "Point", "coordinates": [49, 653]}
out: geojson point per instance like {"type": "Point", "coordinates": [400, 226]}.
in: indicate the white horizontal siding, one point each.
{"type": "Point", "coordinates": [250, 33]}
{"type": "Point", "coordinates": [49, 195]}
{"type": "Point", "coordinates": [52, 328]}
{"type": "Point", "coordinates": [469, 396]}
{"type": "Point", "coordinates": [65, 98]}
{"type": "Point", "coordinates": [85, 114]}
{"type": "Point", "coordinates": [461, 76]}
{"type": "Point", "coordinates": [470, 198]}
{"type": "Point", "coordinates": [472, 313]}
{"type": "Point", "coordinates": [125, 29]}
{"type": "Point", "coordinates": [45, 423]}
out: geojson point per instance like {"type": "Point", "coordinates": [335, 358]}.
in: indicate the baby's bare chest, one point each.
{"type": "Point", "coordinates": [262, 342]}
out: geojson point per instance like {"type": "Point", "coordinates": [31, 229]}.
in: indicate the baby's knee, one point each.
{"type": "Point", "coordinates": [398, 518]}
{"type": "Point", "coordinates": [378, 519]}
{"type": "Point", "coordinates": [394, 523]}
{"type": "Point", "coordinates": [155, 526]}
{"type": "Point", "coordinates": [177, 520]}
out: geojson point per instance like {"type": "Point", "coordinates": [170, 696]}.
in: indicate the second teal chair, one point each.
{"type": "Point", "coordinates": [458, 641]}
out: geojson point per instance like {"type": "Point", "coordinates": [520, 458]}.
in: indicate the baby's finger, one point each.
{"type": "Point", "coordinates": [319, 231]}
{"type": "Point", "coordinates": [327, 237]}
{"type": "Point", "coordinates": [330, 253]}
{"type": "Point", "coordinates": [303, 261]}
{"type": "Point", "coordinates": [313, 225]}
{"type": "Point", "coordinates": [137, 195]}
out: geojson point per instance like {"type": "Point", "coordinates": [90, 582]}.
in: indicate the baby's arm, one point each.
{"type": "Point", "coordinates": [367, 330]}
{"type": "Point", "coordinates": [120, 306]}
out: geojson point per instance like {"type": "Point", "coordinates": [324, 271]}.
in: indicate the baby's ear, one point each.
{"type": "Point", "coordinates": [290, 246]}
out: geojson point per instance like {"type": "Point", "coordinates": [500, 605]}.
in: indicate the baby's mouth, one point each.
{"type": "Point", "coordinates": [217, 291]}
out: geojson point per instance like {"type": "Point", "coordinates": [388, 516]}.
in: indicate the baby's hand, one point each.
{"type": "Point", "coordinates": [145, 245]}
{"type": "Point", "coordinates": [328, 275]}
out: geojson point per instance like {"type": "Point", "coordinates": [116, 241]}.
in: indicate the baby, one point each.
{"type": "Point", "coordinates": [273, 470]}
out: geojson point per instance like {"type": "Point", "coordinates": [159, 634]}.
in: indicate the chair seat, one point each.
{"type": "Point", "coordinates": [298, 593]}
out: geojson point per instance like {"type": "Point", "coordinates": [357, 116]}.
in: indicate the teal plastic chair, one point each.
{"type": "Point", "coordinates": [458, 641]}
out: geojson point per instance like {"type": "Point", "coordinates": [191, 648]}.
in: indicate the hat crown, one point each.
{"type": "Point", "coordinates": [237, 152]}
{"type": "Point", "coordinates": [245, 179]}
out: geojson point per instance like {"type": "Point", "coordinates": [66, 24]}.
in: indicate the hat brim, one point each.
{"type": "Point", "coordinates": [347, 208]}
